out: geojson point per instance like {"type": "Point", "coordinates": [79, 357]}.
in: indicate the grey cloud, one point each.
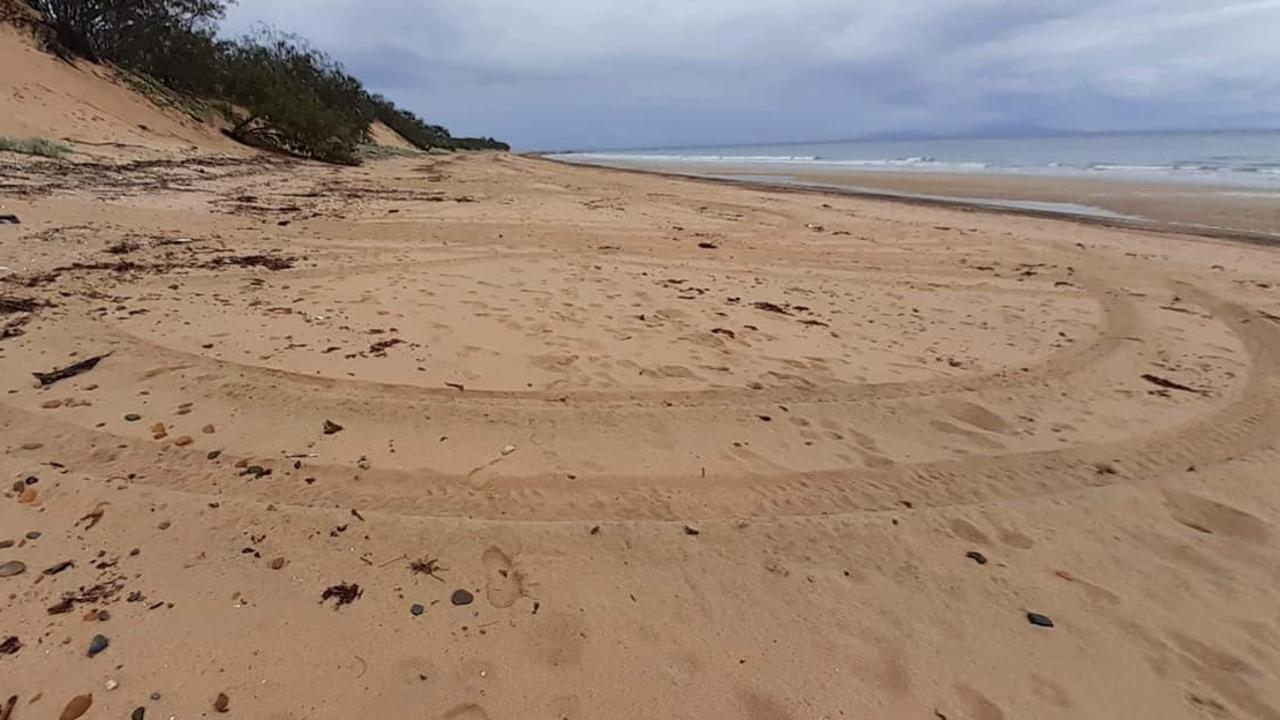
{"type": "Point", "coordinates": [585, 73]}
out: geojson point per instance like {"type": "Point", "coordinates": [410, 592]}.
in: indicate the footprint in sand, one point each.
{"type": "Point", "coordinates": [469, 711]}
{"type": "Point", "coordinates": [504, 585]}
{"type": "Point", "coordinates": [1214, 518]}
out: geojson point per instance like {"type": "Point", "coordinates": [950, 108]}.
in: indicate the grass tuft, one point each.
{"type": "Point", "coordinates": [33, 146]}
{"type": "Point", "coordinates": [381, 152]}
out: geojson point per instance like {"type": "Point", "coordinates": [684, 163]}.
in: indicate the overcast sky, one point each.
{"type": "Point", "coordinates": [559, 74]}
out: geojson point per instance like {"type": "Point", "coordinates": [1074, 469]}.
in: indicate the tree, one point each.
{"type": "Point", "coordinates": [297, 98]}
{"type": "Point", "coordinates": [134, 33]}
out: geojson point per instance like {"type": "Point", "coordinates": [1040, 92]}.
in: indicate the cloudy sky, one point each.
{"type": "Point", "coordinates": [559, 74]}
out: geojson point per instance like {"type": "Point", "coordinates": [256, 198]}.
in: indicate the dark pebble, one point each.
{"type": "Point", "coordinates": [222, 703]}
{"type": "Point", "coordinates": [19, 486]}
{"type": "Point", "coordinates": [103, 616]}
{"type": "Point", "coordinates": [417, 609]}
{"type": "Point", "coordinates": [97, 644]}
{"type": "Point", "coordinates": [1039, 620]}
{"type": "Point", "coordinates": [461, 597]}
{"type": "Point", "coordinates": [6, 544]}
{"type": "Point", "coordinates": [32, 480]}
{"type": "Point", "coordinates": [139, 714]}
{"type": "Point", "coordinates": [214, 454]}
{"type": "Point", "coordinates": [132, 417]}
{"type": "Point", "coordinates": [691, 531]}
{"type": "Point", "coordinates": [977, 557]}
{"type": "Point", "coordinates": [155, 697]}
{"type": "Point", "coordinates": [33, 535]}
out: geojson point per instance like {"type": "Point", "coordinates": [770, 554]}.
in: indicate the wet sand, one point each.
{"type": "Point", "coordinates": [1173, 206]}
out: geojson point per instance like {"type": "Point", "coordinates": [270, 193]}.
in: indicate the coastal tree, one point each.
{"type": "Point", "coordinates": [295, 97]}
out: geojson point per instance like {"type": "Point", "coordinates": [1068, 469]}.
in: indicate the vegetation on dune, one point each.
{"type": "Point", "coordinates": [33, 146]}
{"type": "Point", "coordinates": [370, 151]}
{"type": "Point", "coordinates": [292, 97]}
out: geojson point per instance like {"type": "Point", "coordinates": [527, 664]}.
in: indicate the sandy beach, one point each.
{"type": "Point", "coordinates": [487, 436]}
{"type": "Point", "coordinates": [1243, 212]}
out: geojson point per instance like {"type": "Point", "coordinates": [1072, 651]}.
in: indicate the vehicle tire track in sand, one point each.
{"type": "Point", "coordinates": [1247, 424]}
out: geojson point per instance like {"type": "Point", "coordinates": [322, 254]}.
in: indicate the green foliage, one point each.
{"type": "Point", "coordinates": [369, 151]}
{"type": "Point", "coordinates": [423, 135]}
{"type": "Point", "coordinates": [297, 98]}
{"type": "Point", "coordinates": [409, 126]}
{"type": "Point", "coordinates": [141, 34]}
{"type": "Point", "coordinates": [33, 146]}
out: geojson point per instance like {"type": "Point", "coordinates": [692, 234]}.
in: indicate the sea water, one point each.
{"type": "Point", "coordinates": [1245, 158]}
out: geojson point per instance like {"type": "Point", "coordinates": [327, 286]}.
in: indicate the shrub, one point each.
{"type": "Point", "coordinates": [297, 98]}
{"type": "Point", "coordinates": [33, 146]}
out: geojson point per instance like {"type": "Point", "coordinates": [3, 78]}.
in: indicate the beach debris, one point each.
{"type": "Point", "coordinates": [417, 609]}
{"type": "Point", "coordinates": [770, 307]}
{"type": "Point", "coordinates": [98, 644]}
{"type": "Point", "coordinates": [13, 328]}
{"type": "Point", "coordinates": [428, 566]}
{"type": "Point", "coordinates": [84, 366]}
{"type": "Point", "coordinates": [132, 417]}
{"type": "Point", "coordinates": [10, 305]}
{"type": "Point", "coordinates": [815, 227]}
{"type": "Point", "coordinates": [342, 594]}
{"type": "Point", "coordinates": [270, 262]}
{"type": "Point", "coordinates": [1039, 620]}
{"type": "Point", "coordinates": [13, 568]}
{"type": "Point", "coordinates": [28, 496]}
{"type": "Point", "coordinates": [278, 564]}
{"type": "Point", "coordinates": [94, 595]}
{"type": "Point", "coordinates": [64, 565]}
{"type": "Point", "coordinates": [722, 331]}
{"type": "Point", "coordinates": [139, 713]}
{"type": "Point", "coordinates": [977, 557]}
{"type": "Point", "coordinates": [11, 645]}
{"type": "Point", "coordinates": [94, 517]}
{"type": "Point", "coordinates": [691, 530]}
{"type": "Point", "coordinates": [461, 597]}
{"type": "Point", "coordinates": [708, 245]}
{"type": "Point", "coordinates": [332, 428]}
{"type": "Point", "coordinates": [222, 703]}
{"type": "Point", "coordinates": [77, 707]}
{"type": "Point", "coordinates": [6, 710]}
{"type": "Point", "coordinates": [32, 535]}
{"type": "Point", "coordinates": [111, 685]}
{"type": "Point", "coordinates": [379, 349]}
{"type": "Point", "coordinates": [1168, 384]}
{"type": "Point", "coordinates": [456, 386]}
{"type": "Point", "coordinates": [507, 450]}
{"type": "Point", "coordinates": [9, 219]}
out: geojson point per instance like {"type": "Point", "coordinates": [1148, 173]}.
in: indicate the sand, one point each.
{"type": "Point", "coordinates": [691, 450]}
{"type": "Point", "coordinates": [1242, 211]}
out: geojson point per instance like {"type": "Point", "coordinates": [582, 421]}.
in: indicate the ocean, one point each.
{"type": "Point", "coordinates": [1245, 158]}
